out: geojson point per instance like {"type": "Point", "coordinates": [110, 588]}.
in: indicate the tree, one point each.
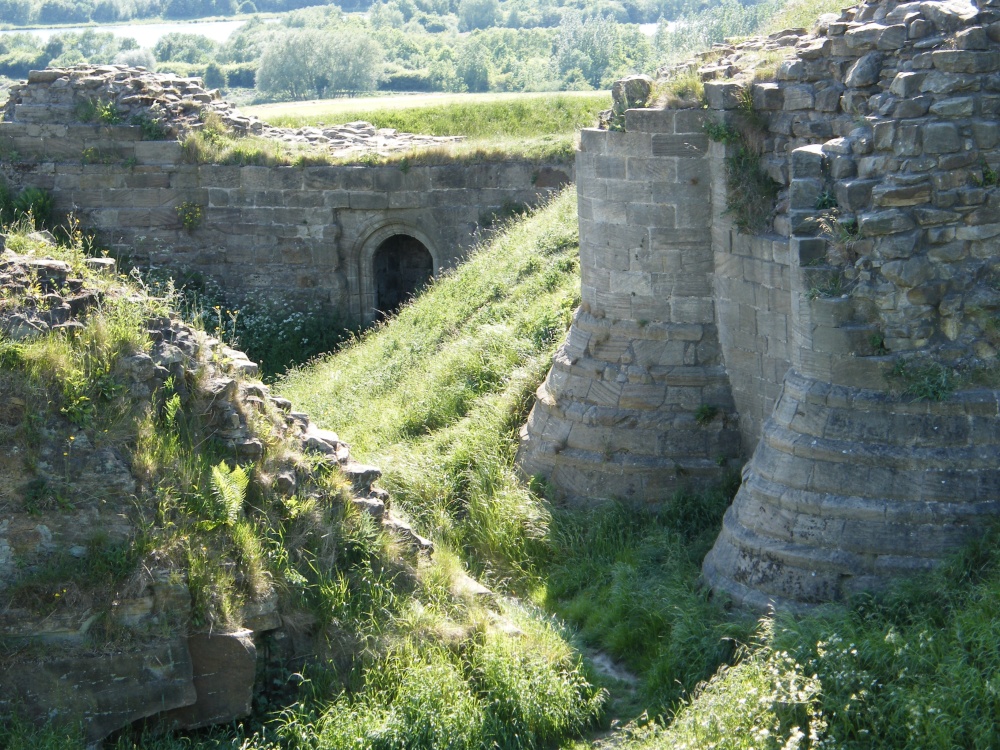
{"type": "Point", "coordinates": [473, 66]}
{"type": "Point", "coordinates": [478, 14]}
{"type": "Point", "coordinates": [355, 62]}
{"type": "Point", "coordinates": [189, 48]}
{"type": "Point", "coordinates": [308, 63]}
{"type": "Point", "coordinates": [16, 12]}
{"type": "Point", "coordinates": [136, 58]}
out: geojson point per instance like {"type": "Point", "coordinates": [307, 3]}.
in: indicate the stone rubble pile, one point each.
{"type": "Point", "coordinates": [77, 486]}
{"type": "Point", "coordinates": [178, 106]}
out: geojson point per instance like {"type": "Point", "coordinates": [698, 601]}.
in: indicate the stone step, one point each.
{"type": "Point", "coordinates": [901, 483]}
{"type": "Point", "coordinates": [878, 454]}
{"type": "Point", "coordinates": [790, 575]}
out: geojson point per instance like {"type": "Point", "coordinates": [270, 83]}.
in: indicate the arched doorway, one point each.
{"type": "Point", "coordinates": [401, 265]}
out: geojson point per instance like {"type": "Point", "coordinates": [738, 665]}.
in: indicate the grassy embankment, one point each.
{"type": "Point", "coordinates": [436, 397]}
{"type": "Point", "coordinates": [536, 127]}
{"type": "Point", "coordinates": [408, 658]}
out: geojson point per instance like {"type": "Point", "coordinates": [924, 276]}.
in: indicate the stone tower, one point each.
{"type": "Point", "coordinates": [851, 345]}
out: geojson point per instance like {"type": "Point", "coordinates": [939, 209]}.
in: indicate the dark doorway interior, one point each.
{"type": "Point", "coordinates": [402, 265]}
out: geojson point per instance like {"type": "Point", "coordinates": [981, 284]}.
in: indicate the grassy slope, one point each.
{"type": "Point", "coordinates": [417, 107]}
{"type": "Point", "coordinates": [435, 398]}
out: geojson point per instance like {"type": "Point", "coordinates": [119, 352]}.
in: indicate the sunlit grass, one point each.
{"type": "Point", "coordinates": [471, 115]}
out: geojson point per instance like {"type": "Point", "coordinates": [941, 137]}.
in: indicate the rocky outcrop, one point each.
{"type": "Point", "coordinates": [168, 106]}
{"type": "Point", "coordinates": [852, 337]}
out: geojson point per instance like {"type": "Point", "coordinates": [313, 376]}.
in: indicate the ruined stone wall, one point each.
{"type": "Point", "coordinates": [856, 331]}
{"type": "Point", "coordinates": [306, 234]}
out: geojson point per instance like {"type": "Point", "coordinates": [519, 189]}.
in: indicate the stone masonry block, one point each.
{"type": "Point", "coordinates": [941, 137]}
{"type": "Point", "coordinates": [690, 145]}
{"type": "Point", "coordinates": [649, 120]}
{"type": "Point", "coordinates": [650, 169]}
{"type": "Point", "coordinates": [804, 193]}
{"type": "Point", "coordinates": [807, 162]}
{"type": "Point", "coordinates": [593, 141]}
{"type": "Point", "coordinates": [722, 94]}
{"type": "Point", "coordinates": [690, 121]}
{"type": "Point", "coordinates": [158, 152]}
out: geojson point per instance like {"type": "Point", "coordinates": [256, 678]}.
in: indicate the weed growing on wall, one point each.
{"type": "Point", "coordinates": [750, 191]}
{"type": "Point", "coordinates": [190, 215]}
{"type": "Point", "coordinates": [31, 207]}
{"type": "Point", "coordinates": [923, 379]}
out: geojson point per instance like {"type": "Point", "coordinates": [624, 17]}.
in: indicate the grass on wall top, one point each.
{"type": "Point", "coordinates": [471, 115]}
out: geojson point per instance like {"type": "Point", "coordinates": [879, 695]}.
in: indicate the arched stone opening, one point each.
{"type": "Point", "coordinates": [401, 266]}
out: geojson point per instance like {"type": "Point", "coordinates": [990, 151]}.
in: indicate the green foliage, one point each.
{"type": "Point", "coordinates": [20, 733]}
{"type": "Point", "coordinates": [309, 63]}
{"type": "Point", "coordinates": [98, 110]}
{"type": "Point", "coordinates": [32, 206]}
{"type": "Point", "coordinates": [991, 177]}
{"type": "Point", "coordinates": [705, 413]}
{"type": "Point", "coordinates": [722, 132]}
{"type": "Point", "coordinates": [682, 89]}
{"type": "Point", "coordinates": [152, 128]}
{"type": "Point", "coordinates": [750, 191]}
{"type": "Point", "coordinates": [499, 692]}
{"type": "Point", "coordinates": [628, 579]}
{"type": "Point", "coordinates": [826, 200]}
{"type": "Point", "coordinates": [764, 702]}
{"type": "Point", "coordinates": [190, 215]}
{"type": "Point", "coordinates": [923, 379]}
{"type": "Point", "coordinates": [181, 47]}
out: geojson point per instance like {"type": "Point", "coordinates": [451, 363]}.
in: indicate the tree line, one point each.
{"type": "Point", "coordinates": [323, 51]}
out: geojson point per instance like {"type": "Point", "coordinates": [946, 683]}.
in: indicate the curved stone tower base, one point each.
{"type": "Point", "coordinates": [638, 398]}
{"type": "Point", "coordinates": [617, 416]}
{"type": "Point", "coordinates": [849, 488]}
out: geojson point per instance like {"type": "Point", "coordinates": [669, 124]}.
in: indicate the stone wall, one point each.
{"type": "Point", "coordinates": [306, 234]}
{"type": "Point", "coordinates": [873, 282]}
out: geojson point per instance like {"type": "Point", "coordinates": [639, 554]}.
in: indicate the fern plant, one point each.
{"type": "Point", "coordinates": [229, 488]}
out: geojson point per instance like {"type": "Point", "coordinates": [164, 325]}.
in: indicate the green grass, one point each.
{"type": "Point", "coordinates": [436, 396]}
{"type": "Point", "coordinates": [403, 659]}
{"type": "Point", "coordinates": [537, 127]}
{"type": "Point", "coordinates": [628, 579]}
{"type": "Point", "coordinates": [471, 115]}
{"type": "Point", "coordinates": [215, 145]}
